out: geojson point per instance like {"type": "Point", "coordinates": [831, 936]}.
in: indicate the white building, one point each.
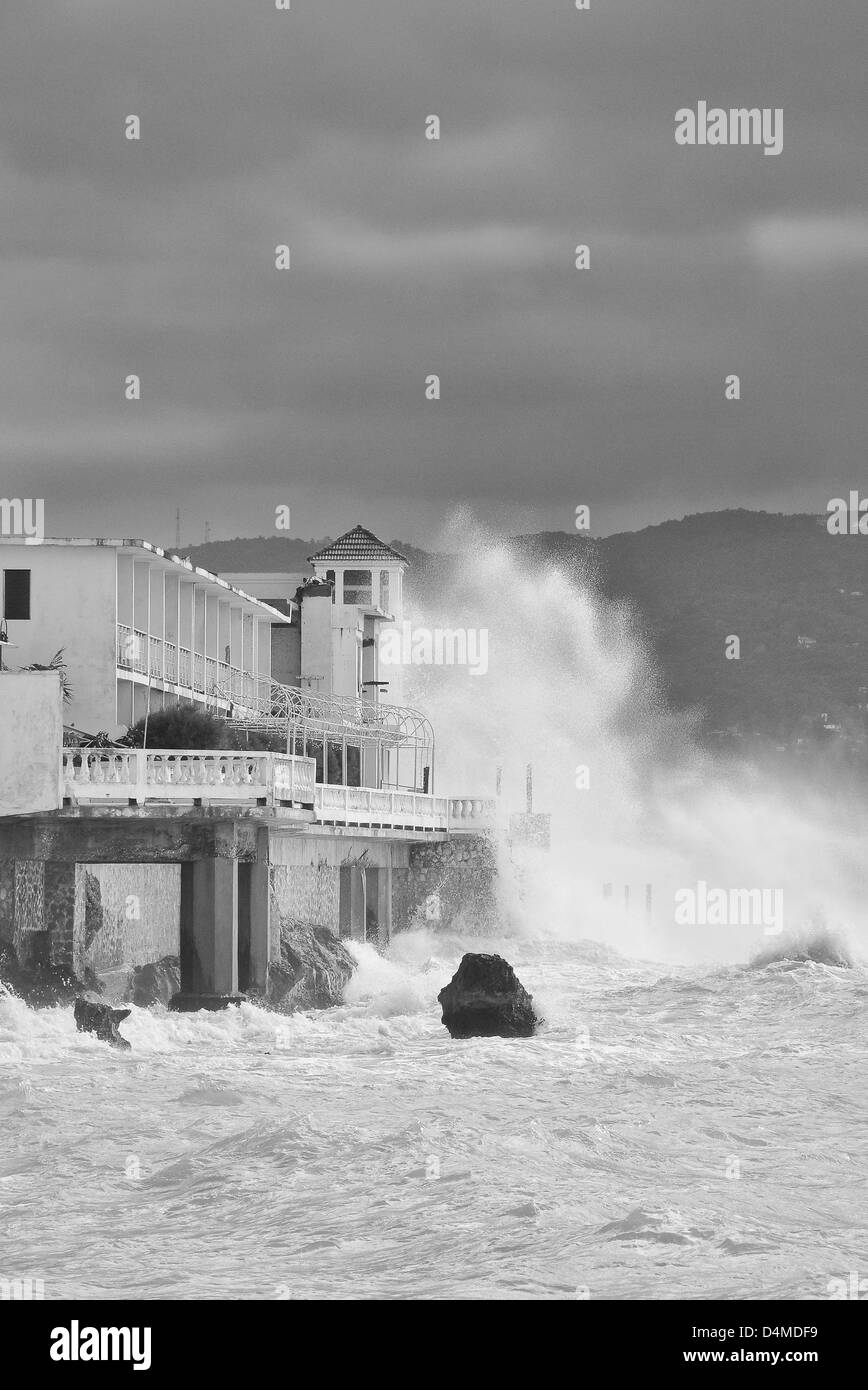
{"type": "Point", "coordinates": [366, 578]}
{"type": "Point", "coordinates": [140, 629]}
{"type": "Point", "coordinates": [353, 594]}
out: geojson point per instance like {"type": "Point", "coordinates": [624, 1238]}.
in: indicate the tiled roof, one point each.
{"type": "Point", "coordinates": [358, 544]}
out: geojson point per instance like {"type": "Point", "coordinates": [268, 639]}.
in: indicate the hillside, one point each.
{"type": "Point", "coordinates": [257, 554]}
{"type": "Point", "coordinates": [768, 579]}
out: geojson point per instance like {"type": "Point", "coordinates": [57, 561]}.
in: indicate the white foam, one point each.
{"type": "Point", "coordinates": [385, 987]}
{"type": "Point", "coordinates": [571, 683]}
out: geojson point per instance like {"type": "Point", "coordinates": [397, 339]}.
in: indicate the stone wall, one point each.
{"type": "Point", "coordinates": [22, 910]}
{"type": "Point", "coordinates": [132, 914]}
{"type": "Point", "coordinates": [305, 879]}
{"type": "Point", "coordinates": [107, 918]}
{"type": "Point", "coordinates": [7, 901]}
{"type": "Point", "coordinates": [99, 917]}
{"type": "Point", "coordinates": [303, 893]}
{"type": "Point", "coordinates": [64, 914]}
{"type": "Point", "coordinates": [450, 883]}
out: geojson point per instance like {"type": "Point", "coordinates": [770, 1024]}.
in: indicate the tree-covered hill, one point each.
{"type": "Point", "coordinates": [769, 580]}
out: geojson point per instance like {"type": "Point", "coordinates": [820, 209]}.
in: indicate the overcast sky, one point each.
{"type": "Point", "coordinates": [306, 387]}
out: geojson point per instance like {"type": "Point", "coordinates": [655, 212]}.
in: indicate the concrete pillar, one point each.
{"type": "Point", "coordinates": [7, 901]}
{"type": "Point", "coordinates": [209, 931]}
{"type": "Point", "coordinates": [224, 620]}
{"type": "Point", "coordinates": [64, 909]}
{"type": "Point", "coordinates": [345, 916]}
{"type": "Point", "coordinates": [384, 903]}
{"type": "Point", "coordinates": [212, 614]}
{"type": "Point", "coordinates": [198, 638]}
{"type": "Point", "coordinates": [371, 764]}
{"type": "Point", "coordinates": [260, 914]}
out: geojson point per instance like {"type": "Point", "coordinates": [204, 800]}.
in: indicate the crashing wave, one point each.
{"type": "Point", "coordinates": [817, 943]}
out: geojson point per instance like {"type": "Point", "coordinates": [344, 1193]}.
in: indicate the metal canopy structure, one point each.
{"type": "Point", "coordinates": [378, 744]}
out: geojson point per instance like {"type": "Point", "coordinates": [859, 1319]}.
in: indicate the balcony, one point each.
{"type": "Point", "coordinates": [364, 807]}
{"type": "Point", "coordinates": [185, 670]}
{"type": "Point", "coordinates": [472, 815]}
{"type": "Point", "coordinates": [115, 778]}
{"type": "Point", "coordinates": [144, 776]}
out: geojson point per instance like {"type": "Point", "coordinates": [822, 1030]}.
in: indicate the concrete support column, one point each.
{"type": "Point", "coordinates": [209, 928]}
{"type": "Point", "coordinates": [64, 909]}
{"type": "Point", "coordinates": [371, 770]}
{"type": "Point", "coordinates": [7, 901]}
{"type": "Point", "coordinates": [260, 914]}
{"type": "Point", "coordinates": [384, 903]}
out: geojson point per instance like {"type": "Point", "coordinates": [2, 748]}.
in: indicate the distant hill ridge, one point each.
{"type": "Point", "coordinates": [767, 578]}
{"type": "Point", "coordinates": [256, 554]}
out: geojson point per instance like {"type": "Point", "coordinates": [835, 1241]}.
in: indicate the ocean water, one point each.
{"type": "Point", "coordinates": [671, 1132]}
{"type": "Point", "coordinates": [683, 1126]}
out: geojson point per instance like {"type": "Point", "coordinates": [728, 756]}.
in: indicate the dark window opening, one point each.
{"type": "Point", "coordinates": [335, 768]}
{"type": "Point", "coordinates": [358, 587]}
{"type": "Point", "coordinates": [315, 751]}
{"type": "Point", "coordinates": [16, 595]}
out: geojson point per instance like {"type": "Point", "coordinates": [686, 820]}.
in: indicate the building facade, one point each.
{"type": "Point", "coordinates": [231, 851]}
{"type": "Point", "coordinates": [139, 629]}
{"type": "Point", "coordinates": [353, 593]}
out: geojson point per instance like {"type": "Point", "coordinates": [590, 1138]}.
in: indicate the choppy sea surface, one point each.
{"type": "Point", "coordinates": [670, 1133]}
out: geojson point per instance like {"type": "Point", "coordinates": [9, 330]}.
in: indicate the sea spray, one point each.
{"type": "Point", "coordinates": [636, 801]}
{"type": "Point", "coordinates": [383, 988]}
{"type": "Point", "coordinates": [816, 944]}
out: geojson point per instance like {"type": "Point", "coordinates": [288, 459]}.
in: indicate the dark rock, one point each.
{"type": "Point", "coordinates": [37, 982]}
{"type": "Point", "coordinates": [155, 983]}
{"type": "Point", "coordinates": [486, 999]}
{"type": "Point", "coordinates": [186, 1003]}
{"type": "Point", "coordinates": [94, 1017]}
{"type": "Point", "coordinates": [313, 970]}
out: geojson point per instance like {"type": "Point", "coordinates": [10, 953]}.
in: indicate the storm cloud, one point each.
{"type": "Point", "coordinates": [410, 257]}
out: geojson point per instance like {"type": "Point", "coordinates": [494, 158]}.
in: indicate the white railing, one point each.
{"type": "Point", "coordinates": [179, 666]}
{"type": "Point", "coordinates": [93, 776]}
{"type": "Point", "coordinates": [473, 814]}
{"type": "Point", "coordinates": [363, 806]}
{"type": "Point", "coordinates": [164, 776]}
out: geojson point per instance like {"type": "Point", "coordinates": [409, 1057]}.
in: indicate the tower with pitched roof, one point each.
{"type": "Point", "coordinates": [364, 579]}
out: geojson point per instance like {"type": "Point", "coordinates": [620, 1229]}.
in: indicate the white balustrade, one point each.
{"type": "Point", "coordinates": [473, 814]}
{"type": "Point", "coordinates": [364, 806]}
{"type": "Point", "coordinates": [136, 776]}
{"type": "Point", "coordinates": [93, 775]}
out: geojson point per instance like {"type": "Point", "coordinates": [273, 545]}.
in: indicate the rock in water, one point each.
{"type": "Point", "coordinates": [312, 972]}
{"type": "Point", "coordinates": [155, 983]}
{"type": "Point", "coordinates": [91, 1017]}
{"type": "Point", "coordinates": [38, 983]}
{"type": "Point", "coordinates": [486, 999]}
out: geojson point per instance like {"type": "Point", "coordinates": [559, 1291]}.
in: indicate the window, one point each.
{"type": "Point", "coordinates": [357, 586]}
{"type": "Point", "coordinates": [330, 579]}
{"type": "Point", "coordinates": [384, 590]}
{"type": "Point", "coordinates": [16, 595]}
